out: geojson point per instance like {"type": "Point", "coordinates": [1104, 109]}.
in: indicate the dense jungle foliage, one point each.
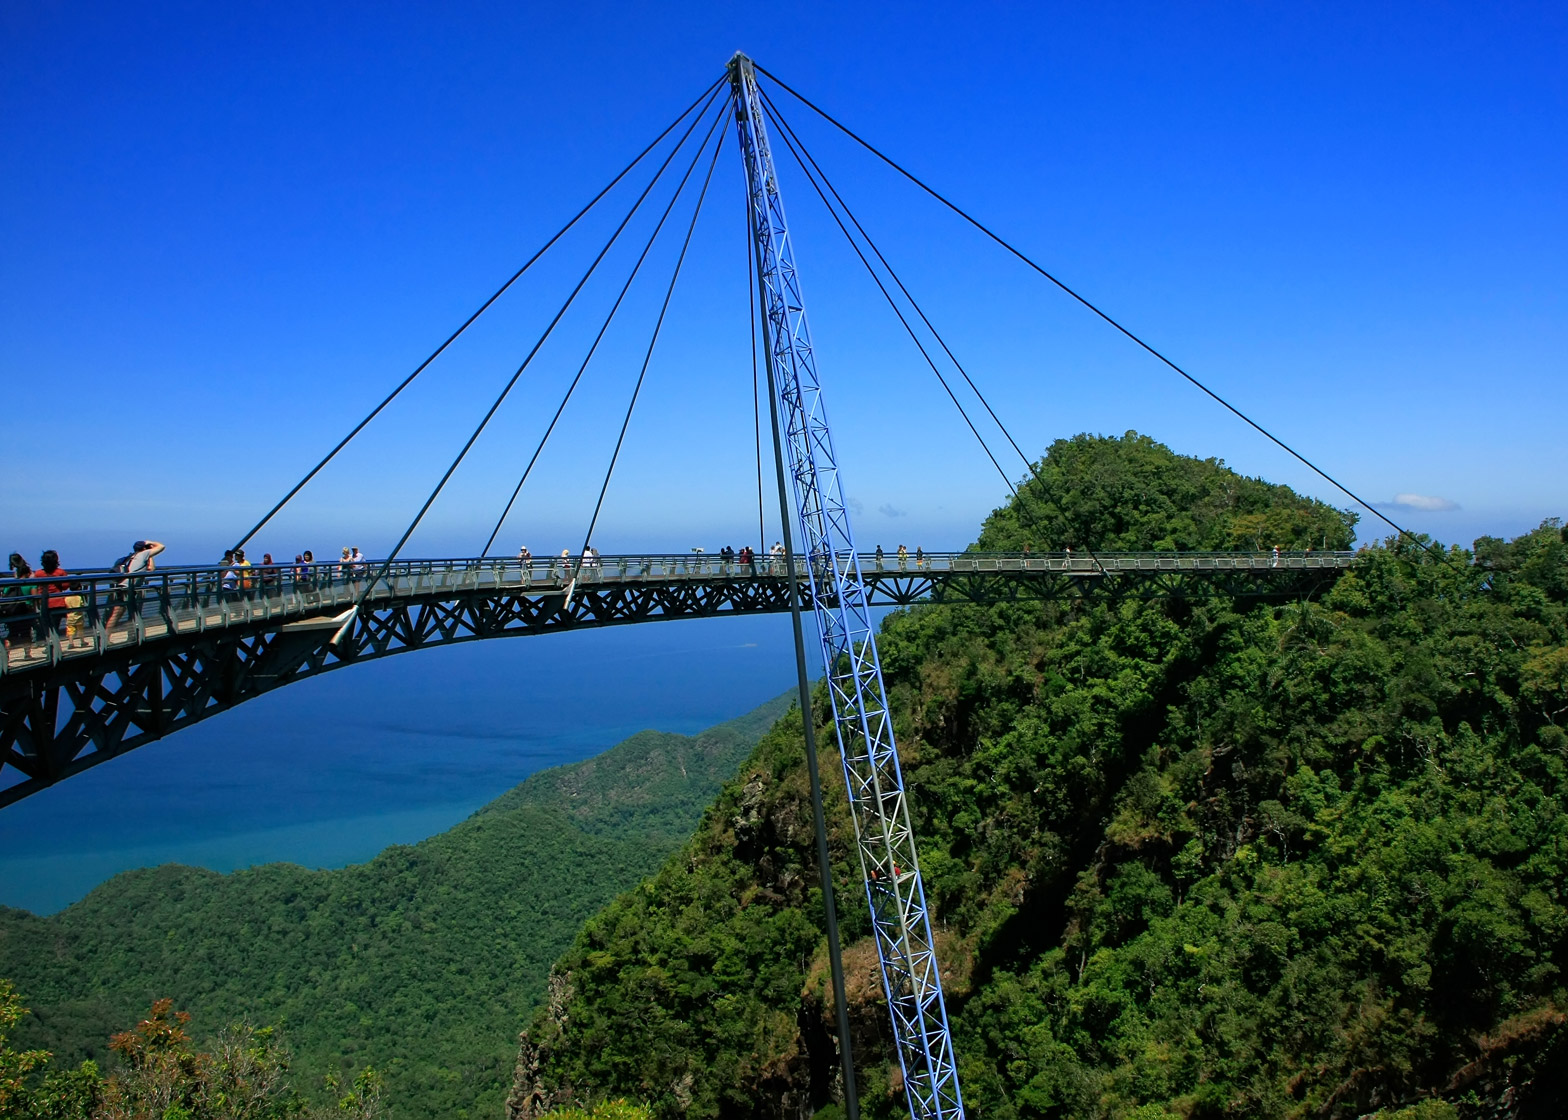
{"type": "Point", "coordinates": [422, 963]}
{"type": "Point", "coordinates": [162, 1075]}
{"type": "Point", "coordinates": [1187, 858]}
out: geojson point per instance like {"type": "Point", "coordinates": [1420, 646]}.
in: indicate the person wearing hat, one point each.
{"type": "Point", "coordinates": [139, 560]}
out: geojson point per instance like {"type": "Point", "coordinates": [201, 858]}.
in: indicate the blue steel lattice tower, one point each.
{"type": "Point", "coordinates": [861, 720]}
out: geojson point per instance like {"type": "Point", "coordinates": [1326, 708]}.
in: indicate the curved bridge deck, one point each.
{"type": "Point", "coordinates": [76, 690]}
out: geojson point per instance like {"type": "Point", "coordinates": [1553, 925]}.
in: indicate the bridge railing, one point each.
{"type": "Point", "coordinates": [1095, 563]}
{"type": "Point", "coordinates": [83, 614]}
{"type": "Point", "coordinates": [86, 614]}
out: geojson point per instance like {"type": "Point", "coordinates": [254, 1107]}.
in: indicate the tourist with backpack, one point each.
{"type": "Point", "coordinates": [125, 595]}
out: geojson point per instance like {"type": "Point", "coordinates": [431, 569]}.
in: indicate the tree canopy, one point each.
{"type": "Point", "coordinates": [423, 963]}
{"type": "Point", "coordinates": [1186, 858]}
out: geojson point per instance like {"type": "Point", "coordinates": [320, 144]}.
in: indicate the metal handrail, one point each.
{"type": "Point", "coordinates": [706, 562]}
{"type": "Point", "coordinates": [117, 610]}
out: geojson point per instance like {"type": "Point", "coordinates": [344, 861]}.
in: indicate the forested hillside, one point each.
{"type": "Point", "coordinates": [1196, 859]}
{"type": "Point", "coordinates": [422, 963]}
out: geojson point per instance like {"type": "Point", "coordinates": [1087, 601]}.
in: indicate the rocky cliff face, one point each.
{"type": "Point", "coordinates": [530, 1096]}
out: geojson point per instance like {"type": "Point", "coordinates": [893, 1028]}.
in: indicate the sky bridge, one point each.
{"type": "Point", "coordinates": [100, 663]}
{"type": "Point", "coordinates": [188, 643]}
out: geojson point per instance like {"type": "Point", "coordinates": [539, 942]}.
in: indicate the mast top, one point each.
{"type": "Point", "coordinates": [740, 65]}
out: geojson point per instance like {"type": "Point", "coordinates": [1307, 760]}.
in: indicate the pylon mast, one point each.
{"type": "Point", "coordinates": [861, 719]}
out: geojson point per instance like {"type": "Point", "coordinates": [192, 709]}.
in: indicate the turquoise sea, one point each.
{"type": "Point", "coordinates": [330, 771]}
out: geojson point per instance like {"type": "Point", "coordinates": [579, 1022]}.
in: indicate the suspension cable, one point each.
{"type": "Point", "coordinates": [499, 292]}
{"type": "Point", "coordinates": [506, 390]}
{"type": "Point", "coordinates": [955, 208]}
{"type": "Point", "coordinates": [787, 135]}
{"type": "Point", "coordinates": [913, 303]}
{"type": "Point", "coordinates": [652, 342]}
{"type": "Point", "coordinates": [603, 329]}
{"type": "Point", "coordinates": [784, 134]}
{"type": "Point", "coordinates": [793, 142]}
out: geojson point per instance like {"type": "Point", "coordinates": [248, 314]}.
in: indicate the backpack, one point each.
{"type": "Point", "coordinates": [122, 565]}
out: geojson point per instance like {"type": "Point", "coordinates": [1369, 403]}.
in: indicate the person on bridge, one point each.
{"type": "Point", "coordinates": [224, 565]}
{"type": "Point", "coordinates": [1275, 562]}
{"type": "Point", "coordinates": [140, 559]}
{"type": "Point", "coordinates": [243, 566]}
{"type": "Point", "coordinates": [229, 581]}
{"type": "Point", "coordinates": [903, 557]}
{"type": "Point", "coordinates": [920, 557]}
{"type": "Point", "coordinates": [18, 607]}
{"type": "Point", "coordinates": [879, 558]}
{"type": "Point", "coordinates": [63, 609]}
{"type": "Point", "coordinates": [270, 576]}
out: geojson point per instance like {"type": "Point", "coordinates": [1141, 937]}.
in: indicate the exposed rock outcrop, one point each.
{"type": "Point", "coordinates": [530, 1097]}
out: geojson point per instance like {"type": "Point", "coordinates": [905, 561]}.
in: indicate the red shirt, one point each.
{"type": "Point", "coordinates": [55, 590]}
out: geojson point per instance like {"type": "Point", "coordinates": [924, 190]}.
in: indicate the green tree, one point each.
{"type": "Point", "coordinates": [423, 963]}
{"type": "Point", "coordinates": [1204, 858]}
{"type": "Point", "coordinates": [29, 1089]}
{"type": "Point", "coordinates": [618, 1109]}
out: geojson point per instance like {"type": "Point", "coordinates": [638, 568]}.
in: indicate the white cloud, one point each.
{"type": "Point", "coordinates": [888, 510]}
{"type": "Point", "coordinates": [1423, 503]}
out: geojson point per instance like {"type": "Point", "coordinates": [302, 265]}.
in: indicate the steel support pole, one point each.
{"type": "Point", "coordinates": [809, 725]}
{"type": "Point", "coordinates": [862, 722]}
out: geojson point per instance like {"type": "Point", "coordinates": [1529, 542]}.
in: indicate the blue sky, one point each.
{"type": "Point", "coordinates": [227, 230]}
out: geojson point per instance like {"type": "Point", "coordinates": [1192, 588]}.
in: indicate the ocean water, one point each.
{"type": "Point", "coordinates": [329, 771]}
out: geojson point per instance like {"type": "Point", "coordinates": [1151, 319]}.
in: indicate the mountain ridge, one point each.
{"type": "Point", "coordinates": [1184, 859]}
{"type": "Point", "coordinates": [421, 962]}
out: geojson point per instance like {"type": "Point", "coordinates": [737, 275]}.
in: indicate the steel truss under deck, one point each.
{"type": "Point", "coordinates": [861, 717]}
{"type": "Point", "coordinates": [59, 719]}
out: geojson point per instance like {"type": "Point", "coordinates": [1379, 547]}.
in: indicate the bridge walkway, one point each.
{"type": "Point", "coordinates": [176, 602]}
{"type": "Point", "coordinates": [80, 691]}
